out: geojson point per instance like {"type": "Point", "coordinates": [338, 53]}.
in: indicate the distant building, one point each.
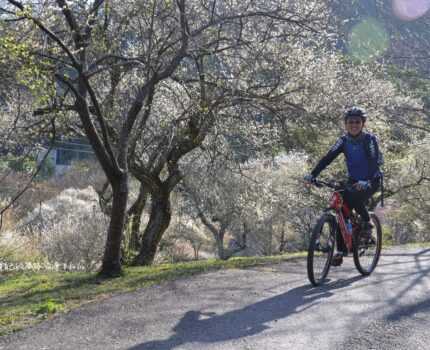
{"type": "Point", "coordinates": [65, 152]}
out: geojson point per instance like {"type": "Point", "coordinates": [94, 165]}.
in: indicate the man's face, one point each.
{"type": "Point", "coordinates": [354, 125]}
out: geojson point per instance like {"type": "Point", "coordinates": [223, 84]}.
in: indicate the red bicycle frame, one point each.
{"type": "Point", "coordinates": [342, 211]}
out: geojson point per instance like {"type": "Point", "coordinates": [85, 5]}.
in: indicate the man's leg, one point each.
{"type": "Point", "coordinates": [357, 200]}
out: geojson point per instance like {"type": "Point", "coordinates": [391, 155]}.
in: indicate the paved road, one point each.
{"type": "Point", "coordinates": [260, 308]}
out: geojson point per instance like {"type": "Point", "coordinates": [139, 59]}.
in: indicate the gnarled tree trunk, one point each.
{"type": "Point", "coordinates": [158, 223]}
{"type": "Point", "coordinates": [220, 245]}
{"type": "Point", "coordinates": [111, 259]}
{"type": "Point", "coordinates": [135, 216]}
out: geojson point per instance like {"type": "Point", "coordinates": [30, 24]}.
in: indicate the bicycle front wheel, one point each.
{"type": "Point", "coordinates": [367, 248]}
{"type": "Point", "coordinates": [321, 249]}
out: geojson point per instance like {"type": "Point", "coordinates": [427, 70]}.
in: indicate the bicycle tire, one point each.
{"type": "Point", "coordinates": [360, 248]}
{"type": "Point", "coordinates": [325, 251]}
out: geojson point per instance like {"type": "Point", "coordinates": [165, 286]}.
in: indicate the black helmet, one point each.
{"type": "Point", "coordinates": [355, 112]}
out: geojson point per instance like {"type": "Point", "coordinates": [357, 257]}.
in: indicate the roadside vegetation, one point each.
{"type": "Point", "coordinates": [28, 297]}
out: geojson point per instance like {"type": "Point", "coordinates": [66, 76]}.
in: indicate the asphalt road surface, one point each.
{"type": "Point", "coordinates": [271, 307]}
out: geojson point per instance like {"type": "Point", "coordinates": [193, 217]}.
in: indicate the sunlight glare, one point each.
{"type": "Point", "coordinates": [368, 40]}
{"type": "Point", "coordinates": [409, 10]}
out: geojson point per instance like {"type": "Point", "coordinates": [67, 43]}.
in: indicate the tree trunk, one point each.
{"type": "Point", "coordinates": [220, 245]}
{"type": "Point", "coordinates": [111, 266]}
{"type": "Point", "coordinates": [220, 248]}
{"type": "Point", "coordinates": [135, 215]}
{"type": "Point", "coordinates": [158, 223]}
{"type": "Point", "coordinates": [244, 243]}
{"type": "Point", "coordinates": [283, 240]}
{"type": "Point", "coordinates": [196, 248]}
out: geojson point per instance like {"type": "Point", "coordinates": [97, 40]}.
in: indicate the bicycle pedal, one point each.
{"type": "Point", "coordinates": [336, 260]}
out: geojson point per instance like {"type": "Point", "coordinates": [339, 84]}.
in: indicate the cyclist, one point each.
{"type": "Point", "coordinates": [363, 160]}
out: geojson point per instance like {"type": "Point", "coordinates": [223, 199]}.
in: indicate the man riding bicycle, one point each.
{"type": "Point", "coordinates": [363, 160]}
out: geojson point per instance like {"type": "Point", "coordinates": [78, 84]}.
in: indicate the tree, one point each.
{"type": "Point", "coordinates": [110, 58]}
{"type": "Point", "coordinates": [219, 85]}
{"type": "Point", "coordinates": [215, 199]}
{"type": "Point", "coordinates": [73, 39]}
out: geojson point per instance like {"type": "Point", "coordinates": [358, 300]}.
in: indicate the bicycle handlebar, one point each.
{"type": "Point", "coordinates": [331, 184]}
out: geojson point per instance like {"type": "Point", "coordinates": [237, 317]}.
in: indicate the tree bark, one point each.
{"type": "Point", "coordinates": [283, 241]}
{"type": "Point", "coordinates": [111, 266]}
{"type": "Point", "coordinates": [217, 234]}
{"type": "Point", "coordinates": [220, 245]}
{"type": "Point", "coordinates": [196, 248]}
{"type": "Point", "coordinates": [135, 215]}
{"type": "Point", "coordinates": [158, 223]}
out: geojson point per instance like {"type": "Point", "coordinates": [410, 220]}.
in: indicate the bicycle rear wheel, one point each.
{"type": "Point", "coordinates": [367, 249]}
{"type": "Point", "coordinates": [321, 247]}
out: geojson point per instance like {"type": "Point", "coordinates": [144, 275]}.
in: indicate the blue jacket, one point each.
{"type": "Point", "coordinates": [362, 156]}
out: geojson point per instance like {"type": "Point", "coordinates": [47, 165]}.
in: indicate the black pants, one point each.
{"type": "Point", "coordinates": [357, 199]}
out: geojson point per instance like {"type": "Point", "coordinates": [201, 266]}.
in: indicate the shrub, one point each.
{"type": "Point", "coordinates": [70, 229]}
{"type": "Point", "coordinates": [15, 249]}
{"type": "Point", "coordinates": [81, 174]}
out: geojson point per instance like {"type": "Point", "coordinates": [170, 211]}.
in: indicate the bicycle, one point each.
{"type": "Point", "coordinates": [340, 226]}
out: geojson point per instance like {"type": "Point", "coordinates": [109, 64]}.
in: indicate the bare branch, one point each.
{"type": "Point", "coordinates": [51, 34]}
{"type": "Point", "coordinates": [38, 169]}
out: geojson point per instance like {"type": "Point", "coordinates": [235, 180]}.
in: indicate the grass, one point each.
{"type": "Point", "coordinates": [27, 298]}
{"type": "Point", "coordinates": [391, 244]}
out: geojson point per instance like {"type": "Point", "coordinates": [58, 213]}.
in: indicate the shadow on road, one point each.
{"type": "Point", "coordinates": [201, 327]}
{"type": "Point", "coordinates": [420, 276]}
{"type": "Point", "coordinates": [409, 311]}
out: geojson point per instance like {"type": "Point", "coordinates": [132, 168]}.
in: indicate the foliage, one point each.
{"type": "Point", "coordinates": [184, 239]}
{"type": "Point", "coordinates": [69, 228]}
{"type": "Point", "coordinates": [262, 206]}
{"type": "Point", "coordinates": [81, 175]}
{"type": "Point", "coordinates": [410, 215]}
{"type": "Point", "coordinates": [16, 249]}
{"type": "Point", "coordinates": [19, 164]}
{"type": "Point", "coordinates": [19, 67]}
{"type": "Point", "coordinates": [48, 307]}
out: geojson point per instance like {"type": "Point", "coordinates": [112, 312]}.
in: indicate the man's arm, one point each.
{"type": "Point", "coordinates": [329, 157]}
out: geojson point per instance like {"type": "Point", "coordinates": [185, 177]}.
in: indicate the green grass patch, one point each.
{"type": "Point", "coordinates": [48, 307]}
{"type": "Point", "coordinates": [27, 298]}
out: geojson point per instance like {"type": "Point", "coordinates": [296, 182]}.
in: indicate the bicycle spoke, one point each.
{"type": "Point", "coordinates": [320, 250]}
{"type": "Point", "coordinates": [367, 249]}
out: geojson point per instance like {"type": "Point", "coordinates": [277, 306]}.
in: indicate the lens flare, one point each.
{"type": "Point", "coordinates": [409, 10]}
{"type": "Point", "coordinates": [367, 40]}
